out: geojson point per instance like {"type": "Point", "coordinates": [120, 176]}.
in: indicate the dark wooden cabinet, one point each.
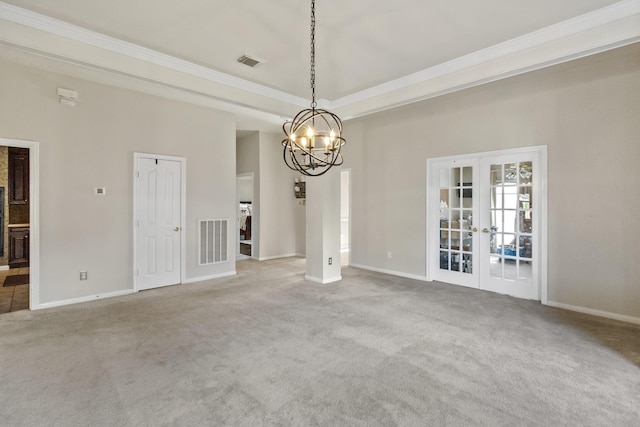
{"type": "Point", "coordinates": [18, 247]}
{"type": "Point", "coordinates": [18, 176]}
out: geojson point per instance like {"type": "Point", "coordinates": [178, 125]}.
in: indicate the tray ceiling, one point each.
{"type": "Point", "coordinates": [371, 54]}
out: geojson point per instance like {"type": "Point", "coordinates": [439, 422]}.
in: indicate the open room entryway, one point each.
{"type": "Point", "coordinates": [19, 253]}
{"type": "Point", "coordinates": [486, 221]}
{"type": "Point", "coordinates": [159, 207]}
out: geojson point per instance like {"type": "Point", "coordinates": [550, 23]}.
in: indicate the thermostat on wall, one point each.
{"type": "Point", "coordinates": [100, 191]}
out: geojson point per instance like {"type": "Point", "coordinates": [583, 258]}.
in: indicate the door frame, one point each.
{"type": "Point", "coordinates": [34, 216]}
{"type": "Point", "coordinates": [183, 211]}
{"type": "Point", "coordinates": [253, 207]}
{"type": "Point", "coordinates": [347, 172]}
{"type": "Point", "coordinates": [433, 187]}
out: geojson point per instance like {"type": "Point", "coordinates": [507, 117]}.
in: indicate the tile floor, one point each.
{"type": "Point", "coordinates": [13, 298]}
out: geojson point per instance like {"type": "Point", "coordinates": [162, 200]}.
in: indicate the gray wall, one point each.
{"type": "Point", "coordinates": [92, 145]}
{"type": "Point", "coordinates": [277, 200]}
{"type": "Point", "coordinates": [587, 113]}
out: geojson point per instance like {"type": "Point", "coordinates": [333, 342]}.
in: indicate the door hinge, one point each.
{"type": "Point", "coordinates": [137, 174]}
{"type": "Point", "coordinates": [138, 272]}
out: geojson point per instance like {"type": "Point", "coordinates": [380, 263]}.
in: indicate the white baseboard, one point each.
{"type": "Point", "coordinates": [212, 276]}
{"type": "Point", "coordinates": [594, 312]}
{"type": "Point", "coordinates": [391, 272]}
{"type": "Point", "coordinates": [267, 258]}
{"type": "Point", "coordinates": [83, 299]}
{"type": "Point", "coordinates": [4, 267]}
{"type": "Point", "coordinates": [323, 281]}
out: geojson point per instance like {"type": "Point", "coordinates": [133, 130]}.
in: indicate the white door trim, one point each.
{"type": "Point", "coordinates": [183, 211]}
{"type": "Point", "coordinates": [347, 171]}
{"type": "Point", "coordinates": [541, 151]}
{"type": "Point", "coordinates": [34, 216]}
{"type": "Point", "coordinates": [463, 279]}
{"type": "Point", "coordinates": [253, 217]}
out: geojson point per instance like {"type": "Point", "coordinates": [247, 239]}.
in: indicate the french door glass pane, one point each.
{"type": "Point", "coordinates": [456, 205]}
{"type": "Point", "coordinates": [511, 221]}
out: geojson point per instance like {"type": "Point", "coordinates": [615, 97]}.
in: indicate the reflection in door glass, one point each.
{"type": "Point", "coordinates": [495, 266]}
{"type": "Point", "coordinates": [455, 219]}
{"type": "Point", "coordinates": [524, 271]}
{"type": "Point", "coordinates": [510, 243]}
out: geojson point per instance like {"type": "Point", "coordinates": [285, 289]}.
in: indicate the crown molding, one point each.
{"type": "Point", "coordinates": [73, 32]}
{"type": "Point", "coordinates": [571, 27]}
{"type": "Point", "coordinates": [603, 29]}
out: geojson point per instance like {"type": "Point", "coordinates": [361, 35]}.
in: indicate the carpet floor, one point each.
{"type": "Point", "coordinates": [267, 348]}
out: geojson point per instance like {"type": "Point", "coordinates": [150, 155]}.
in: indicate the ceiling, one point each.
{"type": "Point", "coordinates": [371, 54]}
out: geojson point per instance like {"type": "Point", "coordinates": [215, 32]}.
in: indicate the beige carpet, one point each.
{"type": "Point", "coordinates": [267, 348]}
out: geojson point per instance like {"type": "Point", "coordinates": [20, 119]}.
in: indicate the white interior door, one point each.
{"type": "Point", "coordinates": [510, 223]}
{"type": "Point", "coordinates": [454, 211]}
{"type": "Point", "coordinates": [485, 221]}
{"type": "Point", "coordinates": [158, 222]}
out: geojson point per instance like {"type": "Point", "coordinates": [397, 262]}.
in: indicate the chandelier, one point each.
{"type": "Point", "coordinates": [314, 136]}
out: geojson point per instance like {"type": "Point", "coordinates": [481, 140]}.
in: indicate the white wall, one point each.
{"type": "Point", "coordinates": [323, 227]}
{"type": "Point", "coordinates": [585, 111]}
{"type": "Point", "coordinates": [245, 189]}
{"type": "Point", "coordinates": [92, 145]}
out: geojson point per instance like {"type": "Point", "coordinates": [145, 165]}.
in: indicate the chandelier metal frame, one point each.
{"type": "Point", "coordinates": [314, 139]}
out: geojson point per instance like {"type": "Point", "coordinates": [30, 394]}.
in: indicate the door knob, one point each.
{"type": "Point", "coordinates": [176, 229]}
{"type": "Point", "coordinates": [474, 229]}
{"type": "Point", "coordinates": [485, 230]}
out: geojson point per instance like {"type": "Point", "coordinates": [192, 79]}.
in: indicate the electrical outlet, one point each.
{"type": "Point", "coordinates": [330, 261]}
{"type": "Point", "coordinates": [389, 255]}
{"type": "Point", "coordinates": [83, 274]}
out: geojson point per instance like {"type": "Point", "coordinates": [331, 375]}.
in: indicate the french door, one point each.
{"type": "Point", "coordinates": [485, 221]}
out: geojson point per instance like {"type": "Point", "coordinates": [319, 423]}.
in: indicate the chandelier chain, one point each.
{"type": "Point", "coordinates": [313, 138]}
{"type": "Point", "coordinates": [313, 54]}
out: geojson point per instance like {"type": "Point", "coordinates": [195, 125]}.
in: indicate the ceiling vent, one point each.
{"type": "Point", "coordinates": [251, 61]}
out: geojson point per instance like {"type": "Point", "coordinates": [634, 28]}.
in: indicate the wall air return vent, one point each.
{"type": "Point", "coordinates": [213, 241]}
{"type": "Point", "coordinates": [251, 61]}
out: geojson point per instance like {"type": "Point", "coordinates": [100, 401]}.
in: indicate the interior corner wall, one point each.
{"type": "Point", "coordinates": [248, 161]}
{"type": "Point", "coordinates": [278, 205]}
{"type": "Point", "coordinates": [92, 145]}
{"type": "Point", "coordinates": [586, 113]}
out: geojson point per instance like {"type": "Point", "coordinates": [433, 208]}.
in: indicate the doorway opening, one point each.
{"type": "Point", "coordinates": [245, 222]}
{"type": "Point", "coordinates": [19, 262]}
